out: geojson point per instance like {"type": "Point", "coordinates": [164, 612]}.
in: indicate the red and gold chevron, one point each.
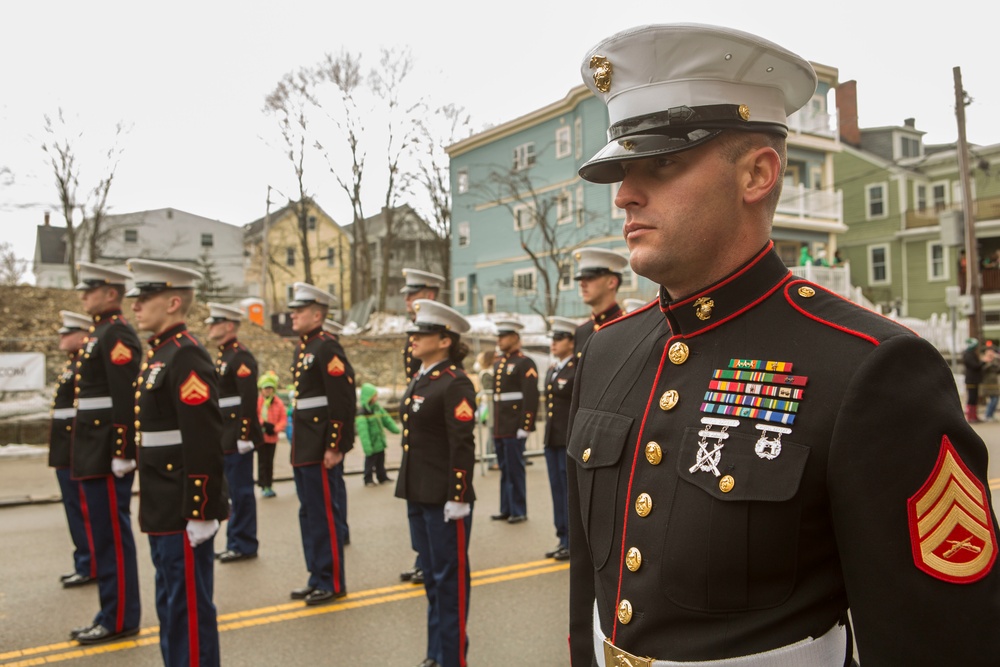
{"type": "Point", "coordinates": [243, 371]}
{"type": "Point", "coordinates": [194, 390]}
{"type": "Point", "coordinates": [951, 528]}
{"type": "Point", "coordinates": [120, 354]}
{"type": "Point", "coordinates": [464, 411]}
{"type": "Point", "coordinates": [335, 367]}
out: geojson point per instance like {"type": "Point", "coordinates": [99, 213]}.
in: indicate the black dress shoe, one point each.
{"type": "Point", "coordinates": [429, 663]}
{"type": "Point", "coordinates": [406, 576]}
{"type": "Point", "coordinates": [551, 554]}
{"type": "Point", "coordinates": [500, 517]}
{"type": "Point", "coordinates": [418, 577]}
{"type": "Point", "coordinates": [561, 554]}
{"type": "Point", "coordinates": [517, 519]}
{"type": "Point", "coordinates": [77, 580]}
{"type": "Point", "coordinates": [76, 632]}
{"type": "Point", "coordinates": [320, 596]}
{"type": "Point", "coordinates": [233, 555]}
{"type": "Point", "coordinates": [99, 633]}
{"type": "Point", "coordinates": [64, 577]}
{"type": "Point", "coordinates": [302, 593]}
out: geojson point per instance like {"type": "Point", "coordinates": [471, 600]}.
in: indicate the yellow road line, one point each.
{"type": "Point", "coordinates": [276, 614]}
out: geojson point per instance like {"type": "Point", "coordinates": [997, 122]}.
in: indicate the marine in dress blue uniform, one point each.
{"type": "Point", "coordinates": [592, 266]}
{"type": "Point", "coordinates": [241, 431]}
{"type": "Point", "coordinates": [325, 405]}
{"type": "Point", "coordinates": [336, 329]}
{"type": "Point", "coordinates": [417, 285]}
{"type": "Point", "coordinates": [559, 382]}
{"type": "Point", "coordinates": [103, 450]}
{"type": "Point", "coordinates": [515, 405]}
{"type": "Point", "coordinates": [435, 475]}
{"type": "Point", "coordinates": [182, 487]}
{"type": "Point", "coordinates": [746, 466]}
{"type": "Point", "coordinates": [71, 336]}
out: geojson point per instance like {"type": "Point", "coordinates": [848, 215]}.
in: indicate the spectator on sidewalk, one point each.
{"type": "Point", "coordinates": [989, 387]}
{"type": "Point", "coordinates": [273, 419]}
{"type": "Point", "coordinates": [973, 377]}
{"type": "Point", "coordinates": [370, 424]}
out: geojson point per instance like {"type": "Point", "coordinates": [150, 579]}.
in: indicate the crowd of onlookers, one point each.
{"type": "Point", "coordinates": [982, 365]}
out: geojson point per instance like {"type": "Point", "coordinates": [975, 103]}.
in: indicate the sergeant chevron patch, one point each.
{"type": "Point", "coordinates": [120, 354]}
{"type": "Point", "coordinates": [243, 371]}
{"type": "Point", "coordinates": [335, 367]}
{"type": "Point", "coordinates": [194, 390]}
{"type": "Point", "coordinates": [464, 411]}
{"type": "Point", "coordinates": [951, 532]}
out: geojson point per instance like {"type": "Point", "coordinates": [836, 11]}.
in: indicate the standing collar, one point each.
{"type": "Point", "coordinates": [711, 306]}
{"type": "Point", "coordinates": [606, 316]}
{"type": "Point", "coordinates": [175, 331]}
{"type": "Point", "coordinates": [306, 337]}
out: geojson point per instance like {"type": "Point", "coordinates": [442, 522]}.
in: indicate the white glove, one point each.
{"type": "Point", "coordinates": [454, 511]}
{"type": "Point", "coordinates": [522, 434]}
{"type": "Point", "coordinates": [244, 446]}
{"type": "Point", "coordinates": [200, 531]}
{"type": "Point", "coordinates": [122, 467]}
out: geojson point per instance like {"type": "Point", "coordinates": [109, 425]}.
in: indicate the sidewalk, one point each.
{"type": "Point", "coordinates": [26, 478]}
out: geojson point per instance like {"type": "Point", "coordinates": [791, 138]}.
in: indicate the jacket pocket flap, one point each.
{"type": "Point", "coordinates": [598, 438]}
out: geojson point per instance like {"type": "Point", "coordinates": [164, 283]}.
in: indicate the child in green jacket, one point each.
{"type": "Point", "coordinates": [369, 424]}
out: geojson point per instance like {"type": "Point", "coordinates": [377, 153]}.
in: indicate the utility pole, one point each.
{"type": "Point", "coordinates": [264, 257]}
{"type": "Point", "coordinates": [972, 262]}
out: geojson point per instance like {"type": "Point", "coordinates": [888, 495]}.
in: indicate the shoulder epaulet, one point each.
{"type": "Point", "coordinates": [829, 308]}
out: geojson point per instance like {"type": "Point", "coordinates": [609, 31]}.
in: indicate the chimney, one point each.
{"type": "Point", "coordinates": [46, 218]}
{"type": "Point", "coordinates": [847, 111]}
{"type": "Point", "coordinates": [910, 123]}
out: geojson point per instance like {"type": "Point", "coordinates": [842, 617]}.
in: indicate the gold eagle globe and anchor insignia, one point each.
{"type": "Point", "coordinates": [602, 75]}
{"type": "Point", "coordinates": [703, 308]}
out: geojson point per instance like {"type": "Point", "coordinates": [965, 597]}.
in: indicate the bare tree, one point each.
{"type": "Point", "coordinates": [290, 102]}
{"type": "Point", "coordinates": [12, 269]}
{"type": "Point", "coordinates": [94, 222]}
{"type": "Point", "coordinates": [60, 147]}
{"type": "Point", "coordinates": [547, 225]}
{"type": "Point", "coordinates": [344, 72]}
{"type": "Point", "coordinates": [386, 82]}
{"type": "Point", "coordinates": [438, 130]}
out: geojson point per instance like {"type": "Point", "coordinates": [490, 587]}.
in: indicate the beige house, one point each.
{"type": "Point", "coordinates": [277, 236]}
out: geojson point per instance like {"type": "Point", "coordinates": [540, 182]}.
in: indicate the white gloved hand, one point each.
{"type": "Point", "coordinates": [200, 531]}
{"type": "Point", "coordinates": [522, 434]}
{"type": "Point", "coordinates": [244, 446]}
{"type": "Point", "coordinates": [122, 467]}
{"type": "Point", "coordinates": [453, 511]}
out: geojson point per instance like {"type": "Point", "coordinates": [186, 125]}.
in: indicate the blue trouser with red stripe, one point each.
{"type": "Point", "coordinates": [189, 632]}
{"type": "Point", "coordinates": [443, 549]}
{"type": "Point", "coordinates": [108, 504]}
{"type": "Point", "coordinates": [78, 518]}
{"type": "Point", "coordinates": [322, 525]}
{"type": "Point", "coordinates": [241, 529]}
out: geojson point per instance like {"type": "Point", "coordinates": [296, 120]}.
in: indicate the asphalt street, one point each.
{"type": "Point", "coordinates": [518, 607]}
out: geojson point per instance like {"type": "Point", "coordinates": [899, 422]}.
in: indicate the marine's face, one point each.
{"type": "Point", "coordinates": [680, 215]}
{"type": "Point", "coordinates": [96, 299]}
{"type": "Point", "coordinates": [593, 289]}
{"type": "Point", "coordinates": [151, 311]}
{"type": "Point", "coordinates": [410, 297]}
{"type": "Point", "coordinates": [306, 318]}
{"type": "Point", "coordinates": [426, 344]}
{"type": "Point", "coordinates": [508, 342]}
{"type": "Point", "coordinates": [218, 332]}
{"type": "Point", "coordinates": [561, 346]}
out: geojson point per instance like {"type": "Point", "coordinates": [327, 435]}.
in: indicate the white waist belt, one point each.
{"type": "Point", "coordinates": [64, 413]}
{"type": "Point", "coordinates": [229, 401]}
{"type": "Point", "coordinates": [825, 651]}
{"type": "Point", "coordinates": [311, 402]}
{"type": "Point", "coordinates": [508, 396]}
{"type": "Point", "coordinates": [94, 403]}
{"type": "Point", "coordinates": [160, 438]}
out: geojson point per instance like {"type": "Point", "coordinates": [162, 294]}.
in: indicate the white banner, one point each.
{"type": "Point", "coordinates": [22, 371]}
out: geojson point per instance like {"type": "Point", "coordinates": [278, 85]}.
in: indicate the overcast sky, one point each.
{"type": "Point", "coordinates": [190, 79]}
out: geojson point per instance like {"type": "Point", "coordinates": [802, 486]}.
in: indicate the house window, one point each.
{"type": "Point", "coordinates": [937, 266]}
{"type": "Point", "coordinates": [490, 303]}
{"type": "Point", "coordinates": [331, 259]}
{"type": "Point", "coordinates": [564, 208]}
{"type": "Point", "coordinates": [524, 217]}
{"type": "Point", "coordinates": [616, 213]}
{"type": "Point", "coordinates": [566, 276]}
{"type": "Point", "coordinates": [878, 265]}
{"type": "Point", "coordinates": [463, 182]}
{"type": "Point", "coordinates": [289, 293]}
{"type": "Point", "coordinates": [578, 137]}
{"type": "Point", "coordinates": [331, 288]}
{"type": "Point", "coordinates": [311, 223]}
{"type": "Point", "coordinates": [524, 282]}
{"type": "Point", "coordinates": [289, 256]}
{"type": "Point", "coordinates": [920, 195]}
{"type": "Point", "coordinates": [939, 195]}
{"type": "Point", "coordinates": [464, 234]}
{"type": "Point", "coordinates": [207, 241]}
{"type": "Point", "coordinates": [131, 236]}
{"type": "Point", "coordinates": [909, 147]}
{"type": "Point", "coordinates": [563, 144]}
{"type": "Point", "coordinates": [461, 291]}
{"type": "Point", "coordinates": [875, 200]}
{"type": "Point", "coordinates": [629, 283]}
{"type": "Point", "coordinates": [524, 156]}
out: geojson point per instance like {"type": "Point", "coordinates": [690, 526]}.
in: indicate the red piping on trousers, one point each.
{"type": "Point", "coordinates": [192, 602]}
{"type": "Point", "coordinates": [332, 529]}
{"type": "Point", "coordinates": [119, 555]}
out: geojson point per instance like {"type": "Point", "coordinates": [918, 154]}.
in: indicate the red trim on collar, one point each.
{"type": "Point", "coordinates": [725, 281]}
{"type": "Point", "coordinates": [791, 302]}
